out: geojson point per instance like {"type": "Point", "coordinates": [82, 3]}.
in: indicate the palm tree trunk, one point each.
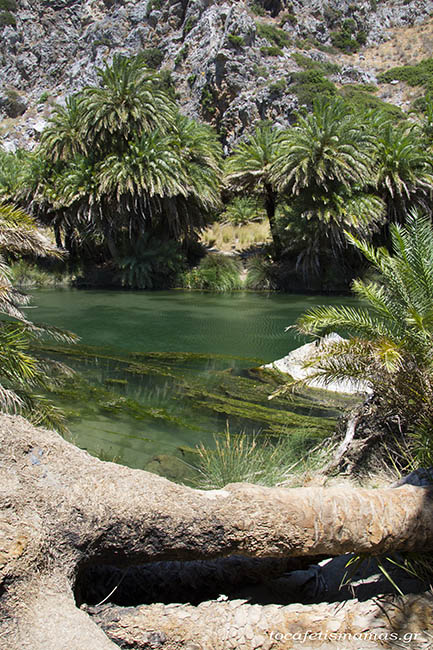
{"type": "Point", "coordinates": [270, 207]}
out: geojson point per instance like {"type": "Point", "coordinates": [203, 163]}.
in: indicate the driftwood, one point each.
{"type": "Point", "coordinates": [63, 510]}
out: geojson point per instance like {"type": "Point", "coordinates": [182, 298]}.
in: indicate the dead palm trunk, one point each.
{"type": "Point", "coordinates": [63, 510]}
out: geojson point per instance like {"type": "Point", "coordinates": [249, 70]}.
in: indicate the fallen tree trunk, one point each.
{"type": "Point", "coordinates": [63, 510]}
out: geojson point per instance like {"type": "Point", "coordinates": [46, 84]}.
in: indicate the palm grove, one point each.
{"type": "Point", "coordinates": [127, 182]}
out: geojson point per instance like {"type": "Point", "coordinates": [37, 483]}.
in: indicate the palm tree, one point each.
{"type": "Point", "coordinates": [21, 371]}
{"type": "Point", "coordinates": [404, 169]}
{"type": "Point", "coordinates": [391, 335]}
{"type": "Point", "coordinates": [128, 102]}
{"type": "Point", "coordinates": [64, 137]}
{"type": "Point", "coordinates": [324, 166]}
{"type": "Point", "coordinates": [248, 169]}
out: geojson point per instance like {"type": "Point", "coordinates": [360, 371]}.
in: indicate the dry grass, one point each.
{"type": "Point", "coordinates": [226, 237]}
{"type": "Point", "coordinates": [406, 46]}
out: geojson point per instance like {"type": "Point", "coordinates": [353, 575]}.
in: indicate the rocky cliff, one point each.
{"type": "Point", "coordinates": [231, 62]}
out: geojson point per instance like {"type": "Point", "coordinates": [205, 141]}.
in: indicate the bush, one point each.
{"type": "Point", "coordinates": [420, 74]}
{"type": "Point", "coordinates": [8, 5]}
{"type": "Point", "coordinates": [152, 57]}
{"type": "Point", "coordinates": [278, 87]}
{"type": "Point", "coordinates": [310, 84]}
{"type": "Point", "coordinates": [189, 24]}
{"type": "Point", "coordinates": [43, 98]}
{"type": "Point", "coordinates": [273, 34]}
{"type": "Point", "coordinates": [271, 51]}
{"type": "Point", "coordinates": [191, 79]}
{"type": "Point", "coordinates": [288, 18]}
{"type": "Point", "coordinates": [214, 273]}
{"type": "Point", "coordinates": [152, 264]}
{"type": "Point", "coordinates": [181, 56]}
{"type": "Point", "coordinates": [235, 40]}
{"type": "Point", "coordinates": [344, 41]}
{"type": "Point", "coordinates": [6, 18]}
{"type": "Point", "coordinates": [260, 274]}
{"type": "Point", "coordinates": [255, 459]}
{"type": "Point", "coordinates": [207, 101]}
{"type": "Point", "coordinates": [257, 9]}
{"type": "Point", "coordinates": [324, 67]}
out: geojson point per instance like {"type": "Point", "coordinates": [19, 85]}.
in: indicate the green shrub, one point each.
{"type": "Point", "coordinates": [344, 41]}
{"type": "Point", "coordinates": [261, 71]}
{"type": "Point", "coordinates": [309, 84]}
{"type": "Point", "coordinates": [43, 98]}
{"type": "Point", "coordinates": [214, 273]}
{"type": "Point", "coordinates": [278, 87]}
{"type": "Point", "coordinates": [152, 264]}
{"type": "Point", "coordinates": [152, 5]}
{"type": "Point", "coordinates": [239, 458]}
{"type": "Point", "coordinates": [420, 74]}
{"type": "Point", "coordinates": [273, 34]}
{"type": "Point", "coordinates": [235, 40]}
{"type": "Point", "coordinates": [152, 57]}
{"type": "Point", "coordinates": [257, 9]}
{"type": "Point", "coordinates": [363, 100]}
{"type": "Point", "coordinates": [272, 50]}
{"type": "Point", "coordinates": [181, 55]}
{"type": "Point", "coordinates": [191, 79]}
{"type": "Point", "coordinates": [207, 100]}
{"type": "Point", "coordinates": [189, 24]}
{"type": "Point", "coordinates": [8, 5]}
{"type": "Point", "coordinates": [260, 274]}
{"type": "Point", "coordinates": [6, 18]}
{"type": "Point", "coordinates": [324, 67]}
{"type": "Point", "coordinates": [288, 18]}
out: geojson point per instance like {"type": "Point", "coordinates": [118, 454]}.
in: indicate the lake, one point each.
{"type": "Point", "coordinates": [160, 372]}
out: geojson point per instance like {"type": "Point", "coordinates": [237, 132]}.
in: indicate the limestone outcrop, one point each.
{"type": "Point", "coordinates": [63, 512]}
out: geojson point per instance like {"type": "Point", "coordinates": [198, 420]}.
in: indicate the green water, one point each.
{"type": "Point", "coordinates": [160, 372]}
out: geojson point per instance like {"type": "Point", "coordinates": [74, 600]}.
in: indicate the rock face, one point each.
{"type": "Point", "coordinates": [64, 512]}
{"type": "Point", "coordinates": [218, 52]}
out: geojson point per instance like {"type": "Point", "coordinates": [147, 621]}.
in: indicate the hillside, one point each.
{"type": "Point", "coordinates": [230, 63]}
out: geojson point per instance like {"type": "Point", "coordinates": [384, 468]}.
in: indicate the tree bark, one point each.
{"type": "Point", "coordinates": [270, 207]}
{"type": "Point", "coordinates": [63, 510]}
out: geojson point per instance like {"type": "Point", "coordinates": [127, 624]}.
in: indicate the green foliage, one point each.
{"type": "Point", "coordinates": [7, 18]}
{"type": "Point", "coordinates": [214, 273]}
{"type": "Point", "coordinates": [189, 25]}
{"type": "Point", "coordinates": [278, 37]}
{"type": "Point", "coordinates": [310, 84]}
{"type": "Point", "coordinates": [207, 100]}
{"type": "Point", "coordinates": [117, 161]}
{"type": "Point", "coordinates": [153, 5]}
{"type": "Point", "coordinates": [324, 67]}
{"type": "Point", "coordinates": [261, 71]}
{"type": "Point", "coordinates": [151, 264]}
{"type": "Point", "coordinates": [257, 9]}
{"type": "Point", "coordinates": [8, 5]}
{"type": "Point", "coordinates": [43, 98]}
{"type": "Point", "coordinates": [252, 459]}
{"type": "Point", "coordinates": [361, 99]}
{"type": "Point", "coordinates": [181, 55]}
{"type": "Point", "coordinates": [288, 17]}
{"type": "Point", "coordinates": [420, 74]}
{"type": "Point", "coordinates": [236, 40]}
{"type": "Point", "coordinates": [242, 210]}
{"type": "Point", "coordinates": [152, 57]}
{"type": "Point", "coordinates": [344, 41]}
{"type": "Point", "coordinates": [391, 335]}
{"type": "Point", "coordinates": [271, 50]}
{"type": "Point", "coordinates": [21, 371]}
{"type": "Point", "coordinates": [260, 274]}
{"type": "Point", "coordinates": [191, 79]}
{"type": "Point", "coordinates": [278, 87]}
